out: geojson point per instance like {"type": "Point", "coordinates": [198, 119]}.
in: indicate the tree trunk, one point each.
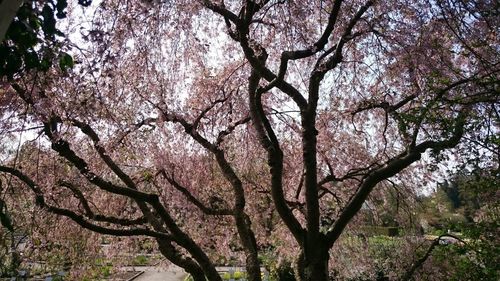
{"type": "Point", "coordinates": [313, 269]}
{"type": "Point", "coordinates": [188, 264]}
{"type": "Point", "coordinates": [316, 271]}
{"type": "Point", "coordinates": [253, 268]}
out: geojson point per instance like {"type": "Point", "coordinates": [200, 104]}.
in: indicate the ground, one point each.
{"type": "Point", "coordinates": [153, 273]}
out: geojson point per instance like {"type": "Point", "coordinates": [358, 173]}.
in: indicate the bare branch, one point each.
{"type": "Point", "coordinates": [206, 110]}
{"type": "Point", "coordinates": [300, 54]}
{"type": "Point", "coordinates": [388, 108]}
{"type": "Point", "coordinates": [145, 122]}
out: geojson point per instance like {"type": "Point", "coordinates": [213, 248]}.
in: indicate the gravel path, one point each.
{"type": "Point", "coordinates": [161, 276]}
{"type": "Point", "coordinates": [157, 274]}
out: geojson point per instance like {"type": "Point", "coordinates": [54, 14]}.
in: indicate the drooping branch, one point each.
{"type": "Point", "coordinates": [63, 148]}
{"type": "Point", "coordinates": [387, 107]}
{"type": "Point", "coordinates": [309, 132]}
{"type": "Point", "coordinates": [189, 129]}
{"type": "Point", "coordinates": [318, 46]}
{"type": "Point", "coordinates": [202, 114]}
{"type": "Point", "coordinates": [243, 223]}
{"type": "Point", "coordinates": [87, 130]}
{"type": "Point", "coordinates": [224, 165]}
{"type": "Point", "coordinates": [134, 127]}
{"type": "Point", "coordinates": [221, 9]}
{"type": "Point", "coordinates": [230, 129]}
{"type": "Point", "coordinates": [179, 235]}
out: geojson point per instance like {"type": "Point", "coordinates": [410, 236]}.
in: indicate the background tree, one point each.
{"type": "Point", "coordinates": [185, 118]}
{"type": "Point", "coordinates": [471, 252]}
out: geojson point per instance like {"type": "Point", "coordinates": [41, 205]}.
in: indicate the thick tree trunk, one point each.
{"type": "Point", "coordinates": [316, 271]}
{"type": "Point", "coordinates": [314, 268]}
{"type": "Point", "coordinates": [250, 244]}
{"type": "Point", "coordinates": [253, 268]}
{"type": "Point", "coordinates": [197, 275]}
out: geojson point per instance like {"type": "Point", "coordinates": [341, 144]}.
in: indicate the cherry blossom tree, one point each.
{"type": "Point", "coordinates": [234, 126]}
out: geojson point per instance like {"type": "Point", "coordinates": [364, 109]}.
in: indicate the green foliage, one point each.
{"type": "Point", "coordinates": [66, 61]}
{"type": "Point", "coordinates": [106, 271]}
{"type": "Point", "coordinates": [226, 276]}
{"type": "Point", "coordinates": [239, 275]}
{"type": "Point", "coordinates": [140, 260]}
{"type": "Point", "coordinates": [33, 42]}
{"type": "Point", "coordinates": [470, 196]}
{"type": "Point", "coordinates": [101, 269]}
{"type": "Point", "coordinates": [476, 260]}
{"type": "Point", "coordinates": [278, 270]}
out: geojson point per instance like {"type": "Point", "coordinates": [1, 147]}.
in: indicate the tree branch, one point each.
{"type": "Point", "coordinates": [79, 219]}
{"type": "Point", "coordinates": [391, 168]}
{"type": "Point", "coordinates": [98, 217]}
{"type": "Point", "coordinates": [206, 210]}
{"type": "Point", "coordinates": [347, 36]}
{"type": "Point", "coordinates": [417, 264]}
{"type": "Point", "coordinates": [230, 129]}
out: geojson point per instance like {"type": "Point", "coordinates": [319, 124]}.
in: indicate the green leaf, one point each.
{"type": "Point", "coordinates": [45, 64]}
{"type": "Point", "coordinates": [31, 60]}
{"type": "Point", "coordinates": [34, 22]}
{"type": "Point", "coordinates": [66, 61]}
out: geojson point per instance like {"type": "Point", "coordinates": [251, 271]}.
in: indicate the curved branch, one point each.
{"type": "Point", "coordinates": [98, 217]}
{"type": "Point", "coordinates": [189, 129]}
{"type": "Point", "coordinates": [242, 23]}
{"type": "Point", "coordinates": [206, 110]}
{"type": "Point", "coordinates": [87, 130]}
{"type": "Point", "coordinates": [388, 108]}
{"type": "Point", "coordinates": [319, 45]}
{"type": "Point", "coordinates": [79, 219]}
{"type": "Point", "coordinates": [391, 168]}
{"type": "Point", "coordinates": [347, 36]}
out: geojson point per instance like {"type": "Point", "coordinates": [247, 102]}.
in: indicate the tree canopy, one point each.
{"type": "Point", "coordinates": [243, 126]}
